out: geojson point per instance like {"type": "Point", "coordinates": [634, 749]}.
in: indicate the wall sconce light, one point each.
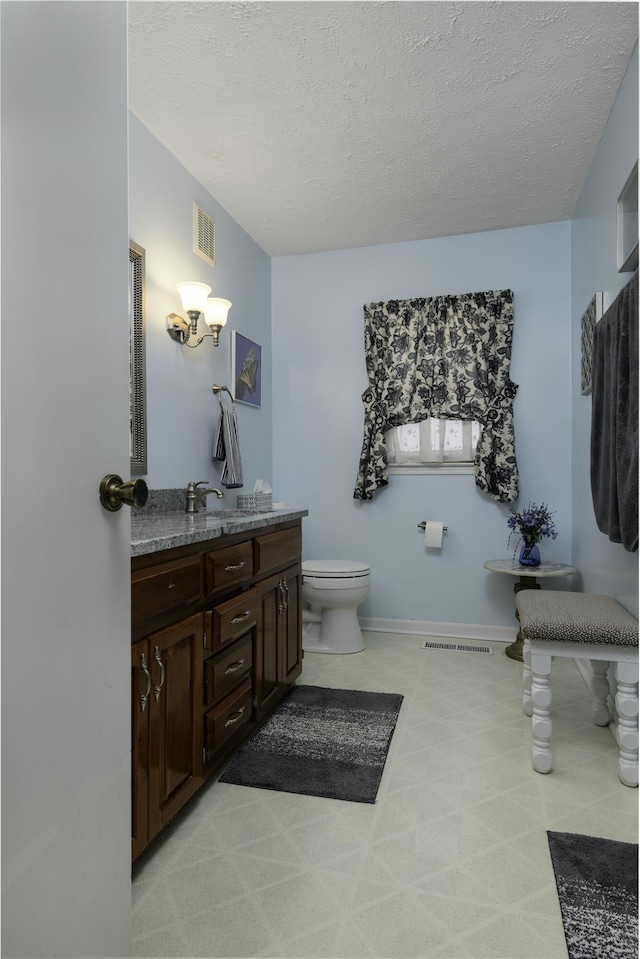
{"type": "Point", "coordinates": [215, 315]}
{"type": "Point", "coordinates": [196, 300]}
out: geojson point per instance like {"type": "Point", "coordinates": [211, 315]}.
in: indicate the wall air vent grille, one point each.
{"type": "Point", "coordinates": [204, 235]}
{"type": "Point", "coordinates": [458, 647]}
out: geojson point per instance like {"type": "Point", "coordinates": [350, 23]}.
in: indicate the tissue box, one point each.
{"type": "Point", "coordinates": [255, 502]}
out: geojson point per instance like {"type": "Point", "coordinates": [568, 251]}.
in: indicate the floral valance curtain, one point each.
{"type": "Point", "coordinates": [447, 357]}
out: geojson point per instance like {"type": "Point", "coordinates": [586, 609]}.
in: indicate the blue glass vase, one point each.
{"type": "Point", "coordinates": [529, 554]}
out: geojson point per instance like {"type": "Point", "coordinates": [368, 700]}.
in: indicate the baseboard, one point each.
{"type": "Point", "coordinates": [425, 627]}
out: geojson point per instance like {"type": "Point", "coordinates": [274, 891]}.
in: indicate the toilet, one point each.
{"type": "Point", "coordinates": [332, 590]}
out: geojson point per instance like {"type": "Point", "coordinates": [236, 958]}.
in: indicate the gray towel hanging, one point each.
{"type": "Point", "coordinates": [614, 419]}
{"type": "Point", "coordinates": [226, 445]}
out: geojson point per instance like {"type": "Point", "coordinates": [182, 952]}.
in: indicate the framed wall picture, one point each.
{"type": "Point", "coordinates": [246, 370]}
{"type": "Point", "coordinates": [137, 390]}
{"type": "Point", "coordinates": [588, 324]}
{"type": "Point", "coordinates": [627, 224]}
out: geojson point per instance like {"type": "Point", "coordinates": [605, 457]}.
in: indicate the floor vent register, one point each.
{"type": "Point", "coordinates": [458, 647]}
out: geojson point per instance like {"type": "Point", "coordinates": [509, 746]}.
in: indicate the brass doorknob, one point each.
{"type": "Point", "coordinates": [114, 492]}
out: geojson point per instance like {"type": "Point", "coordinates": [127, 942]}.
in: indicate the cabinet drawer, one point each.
{"type": "Point", "coordinates": [226, 720]}
{"type": "Point", "coordinates": [231, 620]}
{"type": "Point", "coordinates": [224, 672]}
{"type": "Point", "coordinates": [164, 587]}
{"type": "Point", "coordinates": [274, 549]}
{"type": "Point", "coordinates": [226, 567]}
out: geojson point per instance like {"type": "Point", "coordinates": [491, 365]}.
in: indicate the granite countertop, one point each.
{"type": "Point", "coordinates": [152, 531]}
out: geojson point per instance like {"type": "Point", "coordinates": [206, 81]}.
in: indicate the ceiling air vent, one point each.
{"type": "Point", "coordinates": [204, 235]}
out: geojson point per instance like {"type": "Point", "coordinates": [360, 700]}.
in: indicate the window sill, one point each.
{"type": "Point", "coordinates": [440, 469]}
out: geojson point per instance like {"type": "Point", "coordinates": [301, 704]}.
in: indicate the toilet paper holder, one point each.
{"type": "Point", "coordinates": [423, 526]}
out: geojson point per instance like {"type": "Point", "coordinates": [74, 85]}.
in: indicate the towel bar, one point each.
{"type": "Point", "coordinates": [219, 389]}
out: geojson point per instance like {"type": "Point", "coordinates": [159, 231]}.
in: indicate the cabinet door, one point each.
{"type": "Point", "coordinates": [175, 710]}
{"type": "Point", "coordinates": [267, 687]}
{"type": "Point", "coordinates": [140, 693]}
{"type": "Point", "coordinates": [279, 643]}
{"type": "Point", "coordinates": [290, 627]}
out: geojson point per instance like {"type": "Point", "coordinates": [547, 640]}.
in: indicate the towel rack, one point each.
{"type": "Point", "coordinates": [423, 525]}
{"type": "Point", "coordinates": [218, 389]}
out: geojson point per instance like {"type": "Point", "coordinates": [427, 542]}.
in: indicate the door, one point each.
{"type": "Point", "coordinates": [66, 710]}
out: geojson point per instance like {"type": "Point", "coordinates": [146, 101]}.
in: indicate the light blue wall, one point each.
{"type": "Point", "coordinates": [319, 376]}
{"type": "Point", "coordinates": [312, 432]}
{"type": "Point", "coordinates": [182, 411]}
{"type": "Point", "coordinates": [605, 567]}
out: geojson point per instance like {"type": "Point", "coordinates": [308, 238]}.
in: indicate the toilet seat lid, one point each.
{"type": "Point", "coordinates": [334, 568]}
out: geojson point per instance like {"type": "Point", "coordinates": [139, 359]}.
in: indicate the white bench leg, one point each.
{"type": "Point", "coordinates": [541, 716]}
{"type": "Point", "coordinates": [627, 730]}
{"type": "Point", "coordinates": [600, 691]}
{"type": "Point", "coordinates": [527, 706]}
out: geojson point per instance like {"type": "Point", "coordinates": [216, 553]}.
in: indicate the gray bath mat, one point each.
{"type": "Point", "coordinates": [321, 742]}
{"type": "Point", "coordinates": [597, 882]}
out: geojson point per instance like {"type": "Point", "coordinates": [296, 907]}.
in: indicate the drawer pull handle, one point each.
{"type": "Point", "coordinates": [234, 667]}
{"type": "Point", "coordinates": [156, 689]}
{"type": "Point", "coordinates": [230, 569]}
{"type": "Point", "coordinates": [171, 586]}
{"type": "Point", "coordinates": [145, 698]}
{"type": "Point", "coordinates": [241, 617]}
{"type": "Point", "coordinates": [284, 593]}
{"type": "Point", "coordinates": [235, 718]}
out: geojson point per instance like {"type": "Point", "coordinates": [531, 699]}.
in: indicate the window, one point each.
{"type": "Point", "coordinates": [448, 355]}
{"type": "Point", "coordinates": [433, 443]}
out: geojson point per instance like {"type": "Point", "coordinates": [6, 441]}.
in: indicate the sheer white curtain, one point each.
{"type": "Point", "coordinates": [432, 441]}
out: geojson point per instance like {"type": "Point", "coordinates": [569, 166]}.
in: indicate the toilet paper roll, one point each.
{"type": "Point", "coordinates": [433, 534]}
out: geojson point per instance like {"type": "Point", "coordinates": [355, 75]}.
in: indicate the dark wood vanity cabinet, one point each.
{"type": "Point", "coordinates": [216, 643]}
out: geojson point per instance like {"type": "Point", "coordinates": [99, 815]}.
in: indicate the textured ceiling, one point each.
{"type": "Point", "coordinates": [326, 125]}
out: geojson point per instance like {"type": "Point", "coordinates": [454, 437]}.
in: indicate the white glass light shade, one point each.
{"type": "Point", "coordinates": [216, 310]}
{"type": "Point", "coordinates": [194, 296]}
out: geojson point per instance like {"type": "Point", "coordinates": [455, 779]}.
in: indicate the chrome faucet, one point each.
{"type": "Point", "coordinates": [194, 495]}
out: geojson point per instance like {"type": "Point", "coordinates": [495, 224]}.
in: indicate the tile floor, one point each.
{"type": "Point", "coordinates": [451, 861]}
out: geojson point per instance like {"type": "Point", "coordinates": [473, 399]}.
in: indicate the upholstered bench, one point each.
{"type": "Point", "coordinates": [580, 626]}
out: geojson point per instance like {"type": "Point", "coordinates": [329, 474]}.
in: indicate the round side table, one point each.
{"type": "Point", "coordinates": [528, 576]}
